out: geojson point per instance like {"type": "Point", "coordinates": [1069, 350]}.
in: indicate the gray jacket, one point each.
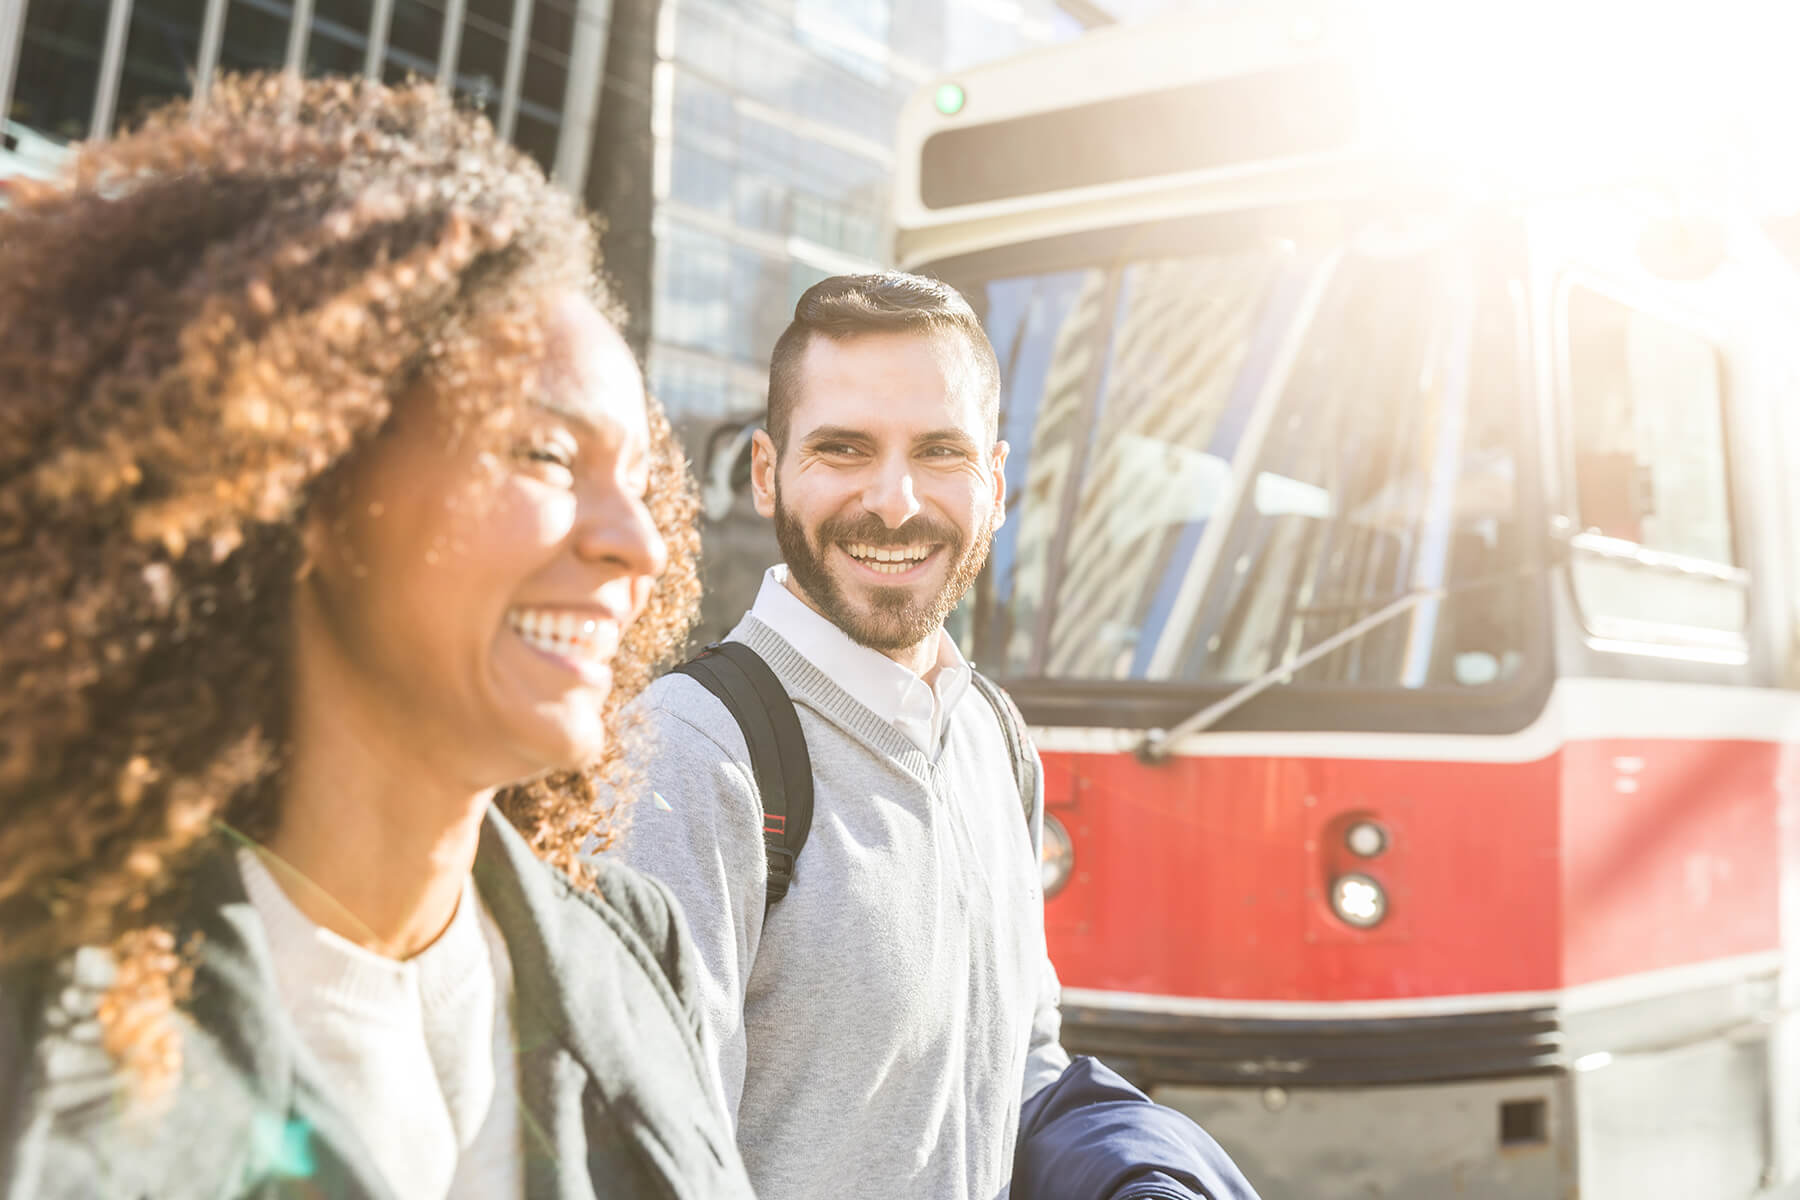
{"type": "Point", "coordinates": [615, 1098]}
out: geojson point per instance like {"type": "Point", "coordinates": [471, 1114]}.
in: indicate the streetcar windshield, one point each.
{"type": "Point", "coordinates": [1219, 461]}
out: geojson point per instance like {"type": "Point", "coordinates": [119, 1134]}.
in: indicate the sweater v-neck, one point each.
{"type": "Point", "coordinates": [806, 683]}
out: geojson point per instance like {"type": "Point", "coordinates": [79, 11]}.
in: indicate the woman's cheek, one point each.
{"type": "Point", "coordinates": [534, 513]}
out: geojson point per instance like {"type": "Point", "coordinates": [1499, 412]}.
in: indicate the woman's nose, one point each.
{"type": "Point", "coordinates": [619, 528]}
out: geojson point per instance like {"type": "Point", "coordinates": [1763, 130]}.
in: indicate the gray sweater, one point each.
{"type": "Point", "coordinates": [875, 1036]}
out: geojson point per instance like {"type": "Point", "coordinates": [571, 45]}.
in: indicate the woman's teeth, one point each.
{"type": "Point", "coordinates": [565, 634]}
{"type": "Point", "coordinates": [888, 560]}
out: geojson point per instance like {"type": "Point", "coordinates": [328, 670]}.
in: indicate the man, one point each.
{"type": "Point", "coordinates": [876, 1030]}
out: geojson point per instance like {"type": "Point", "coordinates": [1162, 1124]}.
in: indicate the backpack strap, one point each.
{"type": "Point", "coordinates": [1018, 746]}
{"type": "Point", "coordinates": [748, 688]}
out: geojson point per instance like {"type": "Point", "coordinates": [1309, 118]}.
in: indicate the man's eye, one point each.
{"type": "Point", "coordinates": [945, 454]}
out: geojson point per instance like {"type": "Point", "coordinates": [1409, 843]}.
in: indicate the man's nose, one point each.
{"type": "Point", "coordinates": [890, 496]}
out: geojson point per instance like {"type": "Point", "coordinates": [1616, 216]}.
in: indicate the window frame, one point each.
{"type": "Point", "coordinates": [1658, 639]}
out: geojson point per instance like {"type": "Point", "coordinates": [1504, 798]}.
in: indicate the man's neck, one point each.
{"type": "Point", "coordinates": [921, 659]}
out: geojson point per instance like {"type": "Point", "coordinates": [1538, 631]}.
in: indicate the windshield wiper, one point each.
{"type": "Point", "coordinates": [1158, 744]}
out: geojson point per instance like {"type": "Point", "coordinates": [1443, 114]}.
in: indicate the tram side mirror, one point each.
{"type": "Point", "coordinates": [725, 467]}
{"type": "Point", "coordinates": [1682, 248]}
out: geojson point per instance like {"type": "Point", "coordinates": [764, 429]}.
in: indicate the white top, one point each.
{"type": "Point", "coordinates": [916, 708]}
{"type": "Point", "coordinates": [419, 1052]}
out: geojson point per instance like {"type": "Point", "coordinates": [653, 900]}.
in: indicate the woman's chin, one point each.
{"type": "Point", "coordinates": [548, 746]}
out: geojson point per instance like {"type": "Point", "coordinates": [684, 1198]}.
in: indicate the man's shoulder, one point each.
{"type": "Point", "coordinates": [683, 718]}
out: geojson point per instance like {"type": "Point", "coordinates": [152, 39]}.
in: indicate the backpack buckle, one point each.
{"type": "Point", "coordinates": [781, 870]}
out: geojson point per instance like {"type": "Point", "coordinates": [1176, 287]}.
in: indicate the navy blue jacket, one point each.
{"type": "Point", "coordinates": [1092, 1136]}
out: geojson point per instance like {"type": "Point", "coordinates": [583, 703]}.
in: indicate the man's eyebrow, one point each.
{"type": "Point", "coordinates": [834, 433]}
{"type": "Point", "coordinates": [949, 433]}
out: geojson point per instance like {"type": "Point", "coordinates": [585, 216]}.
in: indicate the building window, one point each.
{"type": "Point", "coordinates": [693, 289]}
{"type": "Point", "coordinates": [700, 180]}
{"type": "Point", "coordinates": [759, 307]}
{"type": "Point", "coordinates": [761, 202]}
{"type": "Point", "coordinates": [537, 137]}
{"type": "Point", "coordinates": [689, 389]}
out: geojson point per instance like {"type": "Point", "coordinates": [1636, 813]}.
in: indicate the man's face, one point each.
{"type": "Point", "coordinates": [891, 486]}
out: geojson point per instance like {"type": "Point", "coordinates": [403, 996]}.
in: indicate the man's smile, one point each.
{"type": "Point", "coordinates": [890, 564]}
{"type": "Point", "coordinates": [890, 561]}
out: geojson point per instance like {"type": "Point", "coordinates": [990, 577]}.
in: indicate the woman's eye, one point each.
{"type": "Point", "coordinates": [546, 456]}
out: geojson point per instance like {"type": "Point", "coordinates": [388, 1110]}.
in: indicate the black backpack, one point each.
{"type": "Point", "coordinates": [748, 688]}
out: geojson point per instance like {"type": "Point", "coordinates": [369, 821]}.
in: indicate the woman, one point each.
{"type": "Point", "coordinates": [335, 532]}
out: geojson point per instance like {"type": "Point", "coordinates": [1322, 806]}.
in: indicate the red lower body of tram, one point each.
{"type": "Point", "coordinates": [1578, 925]}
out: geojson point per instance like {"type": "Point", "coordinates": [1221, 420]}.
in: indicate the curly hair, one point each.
{"type": "Point", "coordinates": [196, 327]}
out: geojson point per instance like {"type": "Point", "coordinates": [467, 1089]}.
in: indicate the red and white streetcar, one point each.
{"type": "Point", "coordinates": [1401, 575]}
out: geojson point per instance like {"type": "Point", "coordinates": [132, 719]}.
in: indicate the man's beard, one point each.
{"type": "Point", "coordinates": [894, 620]}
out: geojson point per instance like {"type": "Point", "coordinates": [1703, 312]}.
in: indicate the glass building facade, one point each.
{"type": "Point", "coordinates": [775, 126]}
{"type": "Point", "coordinates": [75, 69]}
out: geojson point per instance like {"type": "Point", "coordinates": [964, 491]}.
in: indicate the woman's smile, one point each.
{"type": "Point", "coordinates": [580, 640]}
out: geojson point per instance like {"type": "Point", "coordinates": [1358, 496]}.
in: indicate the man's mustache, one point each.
{"type": "Point", "coordinates": [871, 530]}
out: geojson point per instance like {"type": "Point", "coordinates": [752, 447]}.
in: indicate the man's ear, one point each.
{"type": "Point", "coordinates": [998, 466]}
{"type": "Point", "coordinates": [762, 472]}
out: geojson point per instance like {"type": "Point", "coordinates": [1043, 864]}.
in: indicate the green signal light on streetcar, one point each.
{"type": "Point", "coordinates": [949, 98]}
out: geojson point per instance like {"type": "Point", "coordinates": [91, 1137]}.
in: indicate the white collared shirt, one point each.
{"type": "Point", "coordinates": [914, 707]}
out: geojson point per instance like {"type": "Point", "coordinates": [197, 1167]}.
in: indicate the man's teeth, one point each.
{"type": "Point", "coordinates": [888, 560]}
{"type": "Point", "coordinates": [567, 634]}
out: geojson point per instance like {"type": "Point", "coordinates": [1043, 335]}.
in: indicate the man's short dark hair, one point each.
{"type": "Point", "coordinates": [847, 306]}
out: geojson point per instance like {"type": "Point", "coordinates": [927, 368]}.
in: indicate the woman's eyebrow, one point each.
{"type": "Point", "coordinates": [566, 412]}
{"type": "Point", "coordinates": [585, 424]}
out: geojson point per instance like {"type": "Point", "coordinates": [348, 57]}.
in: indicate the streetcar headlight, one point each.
{"type": "Point", "coordinates": [1058, 856]}
{"type": "Point", "coordinates": [1366, 839]}
{"type": "Point", "coordinates": [1358, 900]}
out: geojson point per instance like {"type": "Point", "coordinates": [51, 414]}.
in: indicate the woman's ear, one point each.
{"type": "Point", "coordinates": [314, 537]}
{"type": "Point", "coordinates": [322, 535]}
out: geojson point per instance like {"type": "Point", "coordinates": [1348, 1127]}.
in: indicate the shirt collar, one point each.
{"type": "Point", "coordinates": [872, 679]}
